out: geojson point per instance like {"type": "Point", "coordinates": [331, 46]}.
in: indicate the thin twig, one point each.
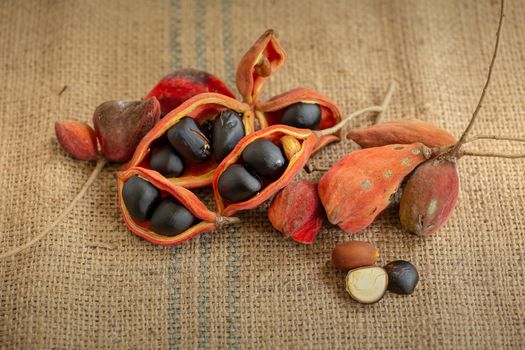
{"type": "Point", "coordinates": [379, 109]}
{"type": "Point", "coordinates": [493, 155]}
{"type": "Point", "coordinates": [100, 165]}
{"type": "Point", "coordinates": [494, 137]}
{"type": "Point", "coordinates": [461, 141]}
{"type": "Point", "coordinates": [386, 101]}
{"type": "Point", "coordinates": [343, 122]}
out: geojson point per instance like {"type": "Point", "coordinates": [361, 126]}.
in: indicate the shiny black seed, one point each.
{"type": "Point", "coordinates": [302, 115]}
{"type": "Point", "coordinates": [189, 141]}
{"type": "Point", "coordinates": [265, 158]}
{"type": "Point", "coordinates": [166, 161]}
{"type": "Point", "coordinates": [402, 277]}
{"type": "Point", "coordinates": [227, 132]}
{"type": "Point", "coordinates": [171, 218]}
{"type": "Point", "coordinates": [140, 198]}
{"type": "Point", "coordinates": [236, 184]}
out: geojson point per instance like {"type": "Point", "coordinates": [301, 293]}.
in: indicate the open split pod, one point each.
{"type": "Point", "coordinates": [161, 212]}
{"type": "Point", "coordinates": [180, 146]}
{"type": "Point", "coordinates": [300, 108]}
{"type": "Point", "coordinates": [260, 165]}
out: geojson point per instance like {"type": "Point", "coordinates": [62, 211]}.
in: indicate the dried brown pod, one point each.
{"type": "Point", "coordinates": [404, 131]}
{"type": "Point", "coordinates": [429, 196]}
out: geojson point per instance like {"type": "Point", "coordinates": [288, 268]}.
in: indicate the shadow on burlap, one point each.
{"type": "Point", "coordinates": [93, 284]}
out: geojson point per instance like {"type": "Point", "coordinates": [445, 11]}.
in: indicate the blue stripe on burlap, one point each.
{"type": "Point", "coordinates": [204, 240]}
{"type": "Point", "coordinates": [233, 275]}
{"type": "Point", "coordinates": [174, 289]}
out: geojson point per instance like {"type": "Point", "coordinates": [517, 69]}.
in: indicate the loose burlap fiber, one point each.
{"type": "Point", "coordinates": [92, 284]}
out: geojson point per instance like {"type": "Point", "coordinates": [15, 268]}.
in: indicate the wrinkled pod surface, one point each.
{"type": "Point", "coordinates": [429, 197]}
{"type": "Point", "coordinates": [181, 85]}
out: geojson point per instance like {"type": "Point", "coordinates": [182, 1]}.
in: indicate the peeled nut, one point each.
{"type": "Point", "coordinates": [349, 255]}
{"type": "Point", "coordinates": [367, 285]}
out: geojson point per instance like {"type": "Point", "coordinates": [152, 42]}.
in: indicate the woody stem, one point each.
{"type": "Point", "coordinates": [380, 109]}
{"type": "Point", "coordinates": [494, 137]}
{"type": "Point", "coordinates": [492, 155]}
{"type": "Point", "coordinates": [101, 162]}
{"type": "Point", "coordinates": [462, 139]}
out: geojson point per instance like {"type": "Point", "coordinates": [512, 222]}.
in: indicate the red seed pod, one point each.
{"type": "Point", "coordinates": [263, 59]}
{"type": "Point", "coordinates": [77, 139]}
{"type": "Point", "coordinates": [429, 197]}
{"type": "Point", "coordinates": [207, 220]}
{"type": "Point", "coordinates": [403, 131]}
{"type": "Point", "coordinates": [120, 125]}
{"type": "Point", "coordinates": [271, 112]}
{"type": "Point", "coordinates": [297, 212]}
{"type": "Point", "coordinates": [201, 108]}
{"type": "Point", "coordinates": [182, 84]}
{"type": "Point", "coordinates": [275, 134]}
{"type": "Point", "coordinates": [360, 185]}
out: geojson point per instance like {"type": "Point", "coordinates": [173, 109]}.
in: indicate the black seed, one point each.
{"type": "Point", "coordinates": [140, 198]}
{"type": "Point", "coordinates": [236, 184]}
{"type": "Point", "coordinates": [227, 132]}
{"type": "Point", "coordinates": [166, 161]}
{"type": "Point", "coordinates": [302, 115]}
{"type": "Point", "coordinates": [402, 277]}
{"type": "Point", "coordinates": [189, 141]}
{"type": "Point", "coordinates": [171, 218]}
{"type": "Point", "coordinates": [265, 158]}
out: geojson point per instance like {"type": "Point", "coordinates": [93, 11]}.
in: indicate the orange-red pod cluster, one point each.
{"type": "Point", "coordinates": [206, 219]}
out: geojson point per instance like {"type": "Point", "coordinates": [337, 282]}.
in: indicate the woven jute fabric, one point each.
{"type": "Point", "coordinates": [92, 284]}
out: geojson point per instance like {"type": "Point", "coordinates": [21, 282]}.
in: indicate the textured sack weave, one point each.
{"type": "Point", "coordinates": [93, 284]}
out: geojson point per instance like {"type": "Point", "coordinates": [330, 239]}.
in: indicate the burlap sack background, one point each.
{"type": "Point", "coordinates": [93, 284]}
